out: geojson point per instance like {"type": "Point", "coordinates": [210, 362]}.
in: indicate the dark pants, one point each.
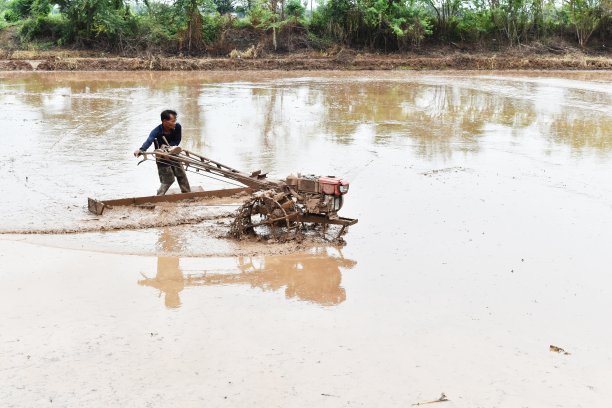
{"type": "Point", "coordinates": [167, 175]}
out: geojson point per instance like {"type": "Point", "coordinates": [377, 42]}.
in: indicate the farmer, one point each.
{"type": "Point", "coordinates": [167, 134]}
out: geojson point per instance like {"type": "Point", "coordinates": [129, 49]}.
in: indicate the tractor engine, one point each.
{"type": "Point", "coordinates": [318, 194]}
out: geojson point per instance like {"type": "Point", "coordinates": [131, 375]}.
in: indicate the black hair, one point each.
{"type": "Point", "coordinates": [165, 115]}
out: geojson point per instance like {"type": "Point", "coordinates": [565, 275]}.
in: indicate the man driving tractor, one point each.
{"type": "Point", "coordinates": [167, 134]}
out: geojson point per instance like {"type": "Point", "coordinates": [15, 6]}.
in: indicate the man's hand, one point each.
{"type": "Point", "coordinates": [137, 152]}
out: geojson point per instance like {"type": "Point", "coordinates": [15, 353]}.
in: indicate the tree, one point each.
{"type": "Point", "coordinates": [445, 11]}
{"type": "Point", "coordinates": [224, 6]}
{"type": "Point", "coordinates": [295, 8]}
{"type": "Point", "coordinates": [409, 23]}
{"type": "Point", "coordinates": [585, 16]}
{"type": "Point", "coordinates": [190, 17]}
{"type": "Point", "coordinates": [512, 18]}
{"type": "Point", "coordinates": [29, 8]}
{"type": "Point", "coordinates": [105, 20]}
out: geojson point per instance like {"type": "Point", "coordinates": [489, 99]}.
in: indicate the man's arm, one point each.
{"type": "Point", "coordinates": [147, 143]}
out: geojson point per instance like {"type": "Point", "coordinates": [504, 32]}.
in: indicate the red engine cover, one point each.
{"type": "Point", "coordinates": [331, 185]}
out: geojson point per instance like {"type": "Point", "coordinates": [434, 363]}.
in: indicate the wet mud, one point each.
{"type": "Point", "coordinates": [141, 217]}
{"type": "Point", "coordinates": [476, 276]}
{"type": "Point", "coordinates": [209, 219]}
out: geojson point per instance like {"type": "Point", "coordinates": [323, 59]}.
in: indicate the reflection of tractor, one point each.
{"type": "Point", "coordinates": [276, 206]}
{"type": "Point", "coordinates": [314, 278]}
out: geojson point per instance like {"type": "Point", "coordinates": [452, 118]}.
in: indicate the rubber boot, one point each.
{"type": "Point", "coordinates": [181, 178]}
{"type": "Point", "coordinates": [163, 188]}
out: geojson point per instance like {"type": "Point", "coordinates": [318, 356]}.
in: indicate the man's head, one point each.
{"type": "Point", "coordinates": [168, 118]}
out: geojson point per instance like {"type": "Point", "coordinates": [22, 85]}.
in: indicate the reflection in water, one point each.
{"type": "Point", "coordinates": [441, 114]}
{"type": "Point", "coordinates": [76, 132]}
{"type": "Point", "coordinates": [169, 277]}
{"type": "Point", "coordinates": [169, 280]}
{"type": "Point", "coordinates": [594, 132]}
{"type": "Point", "coordinates": [314, 277]}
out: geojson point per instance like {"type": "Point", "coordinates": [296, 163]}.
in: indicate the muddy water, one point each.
{"type": "Point", "coordinates": [485, 215]}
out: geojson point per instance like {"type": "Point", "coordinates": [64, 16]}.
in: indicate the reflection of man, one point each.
{"type": "Point", "coordinates": [169, 278]}
{"type": "Point", "coordinates": [167, 134]}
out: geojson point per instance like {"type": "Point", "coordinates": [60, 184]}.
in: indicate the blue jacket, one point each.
{"type": "Point", "coordinates": [156, 136]}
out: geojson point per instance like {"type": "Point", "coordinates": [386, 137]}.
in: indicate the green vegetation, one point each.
{"type": "Point", "coordinates": [214, 26]}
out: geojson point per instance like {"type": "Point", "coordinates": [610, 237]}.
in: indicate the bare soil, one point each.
{"type": "Point", "coordinates": [336, 60]}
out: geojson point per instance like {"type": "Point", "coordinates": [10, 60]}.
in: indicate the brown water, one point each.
{"type": "Point", "coordinates": [485, 222]}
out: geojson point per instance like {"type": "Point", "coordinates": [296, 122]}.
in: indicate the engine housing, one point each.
{"type": "Point", "coordinates": [319, 194]}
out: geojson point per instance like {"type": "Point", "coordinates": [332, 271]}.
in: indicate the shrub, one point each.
{"type": "Point", "coordinates": [261, 16]}
{"type": "Point", "coordinates": [10, 16]}
{"type": "Point", "coordinates": [243, 22]}
{"type": "Point", "coordinates": [212, 26]}
{"type": "Point", "coordinates": [20, 8]}
{"type": "Point", "coordinates": [319, 43]}
{"type": "Point", "coordinates": [148, 34]}
{"type": "Point", "coordinates": [52, 28]}
{"type": "Point", "coordinates": [295, 8]}
{"type": "Point", "coordinates": [473, 26]}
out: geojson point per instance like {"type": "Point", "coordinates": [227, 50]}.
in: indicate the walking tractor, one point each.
{"type": "Point", "coordinates": [275, 208]}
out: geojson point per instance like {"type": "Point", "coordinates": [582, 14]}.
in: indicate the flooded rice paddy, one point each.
{"type": "Point", "coordinates": [485, 221]}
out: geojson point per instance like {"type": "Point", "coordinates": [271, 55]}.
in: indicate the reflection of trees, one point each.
{"type": "Point", "coordinates": [97, 111]}
{"type": "Point", "coordinates": [579, 131]}
{"type": "Point", "coordinates": [268, 110]}
{"type": "Point", "coordinates": [270, 104]}
{"type": "Point", "coordinates": [77, 110]}
{"type": "Point", "coordinates": [311, 277]}
{"type": "Point", "coordinates": [438, 118]}
{"type": "Point", "coordinates": [190, 111]}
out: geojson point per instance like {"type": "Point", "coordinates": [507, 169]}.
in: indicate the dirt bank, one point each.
{"type": "Point", "coordinates": [309, 61]}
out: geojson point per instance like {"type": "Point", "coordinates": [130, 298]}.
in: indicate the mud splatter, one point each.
{"type": "Point", "coordinates": [433, 172]}
{"type": "Point", "coordinates": [556, 349]}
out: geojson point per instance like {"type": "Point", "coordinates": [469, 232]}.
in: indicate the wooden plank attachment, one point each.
{"type": "Point", "coordinates": [97, 206]}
